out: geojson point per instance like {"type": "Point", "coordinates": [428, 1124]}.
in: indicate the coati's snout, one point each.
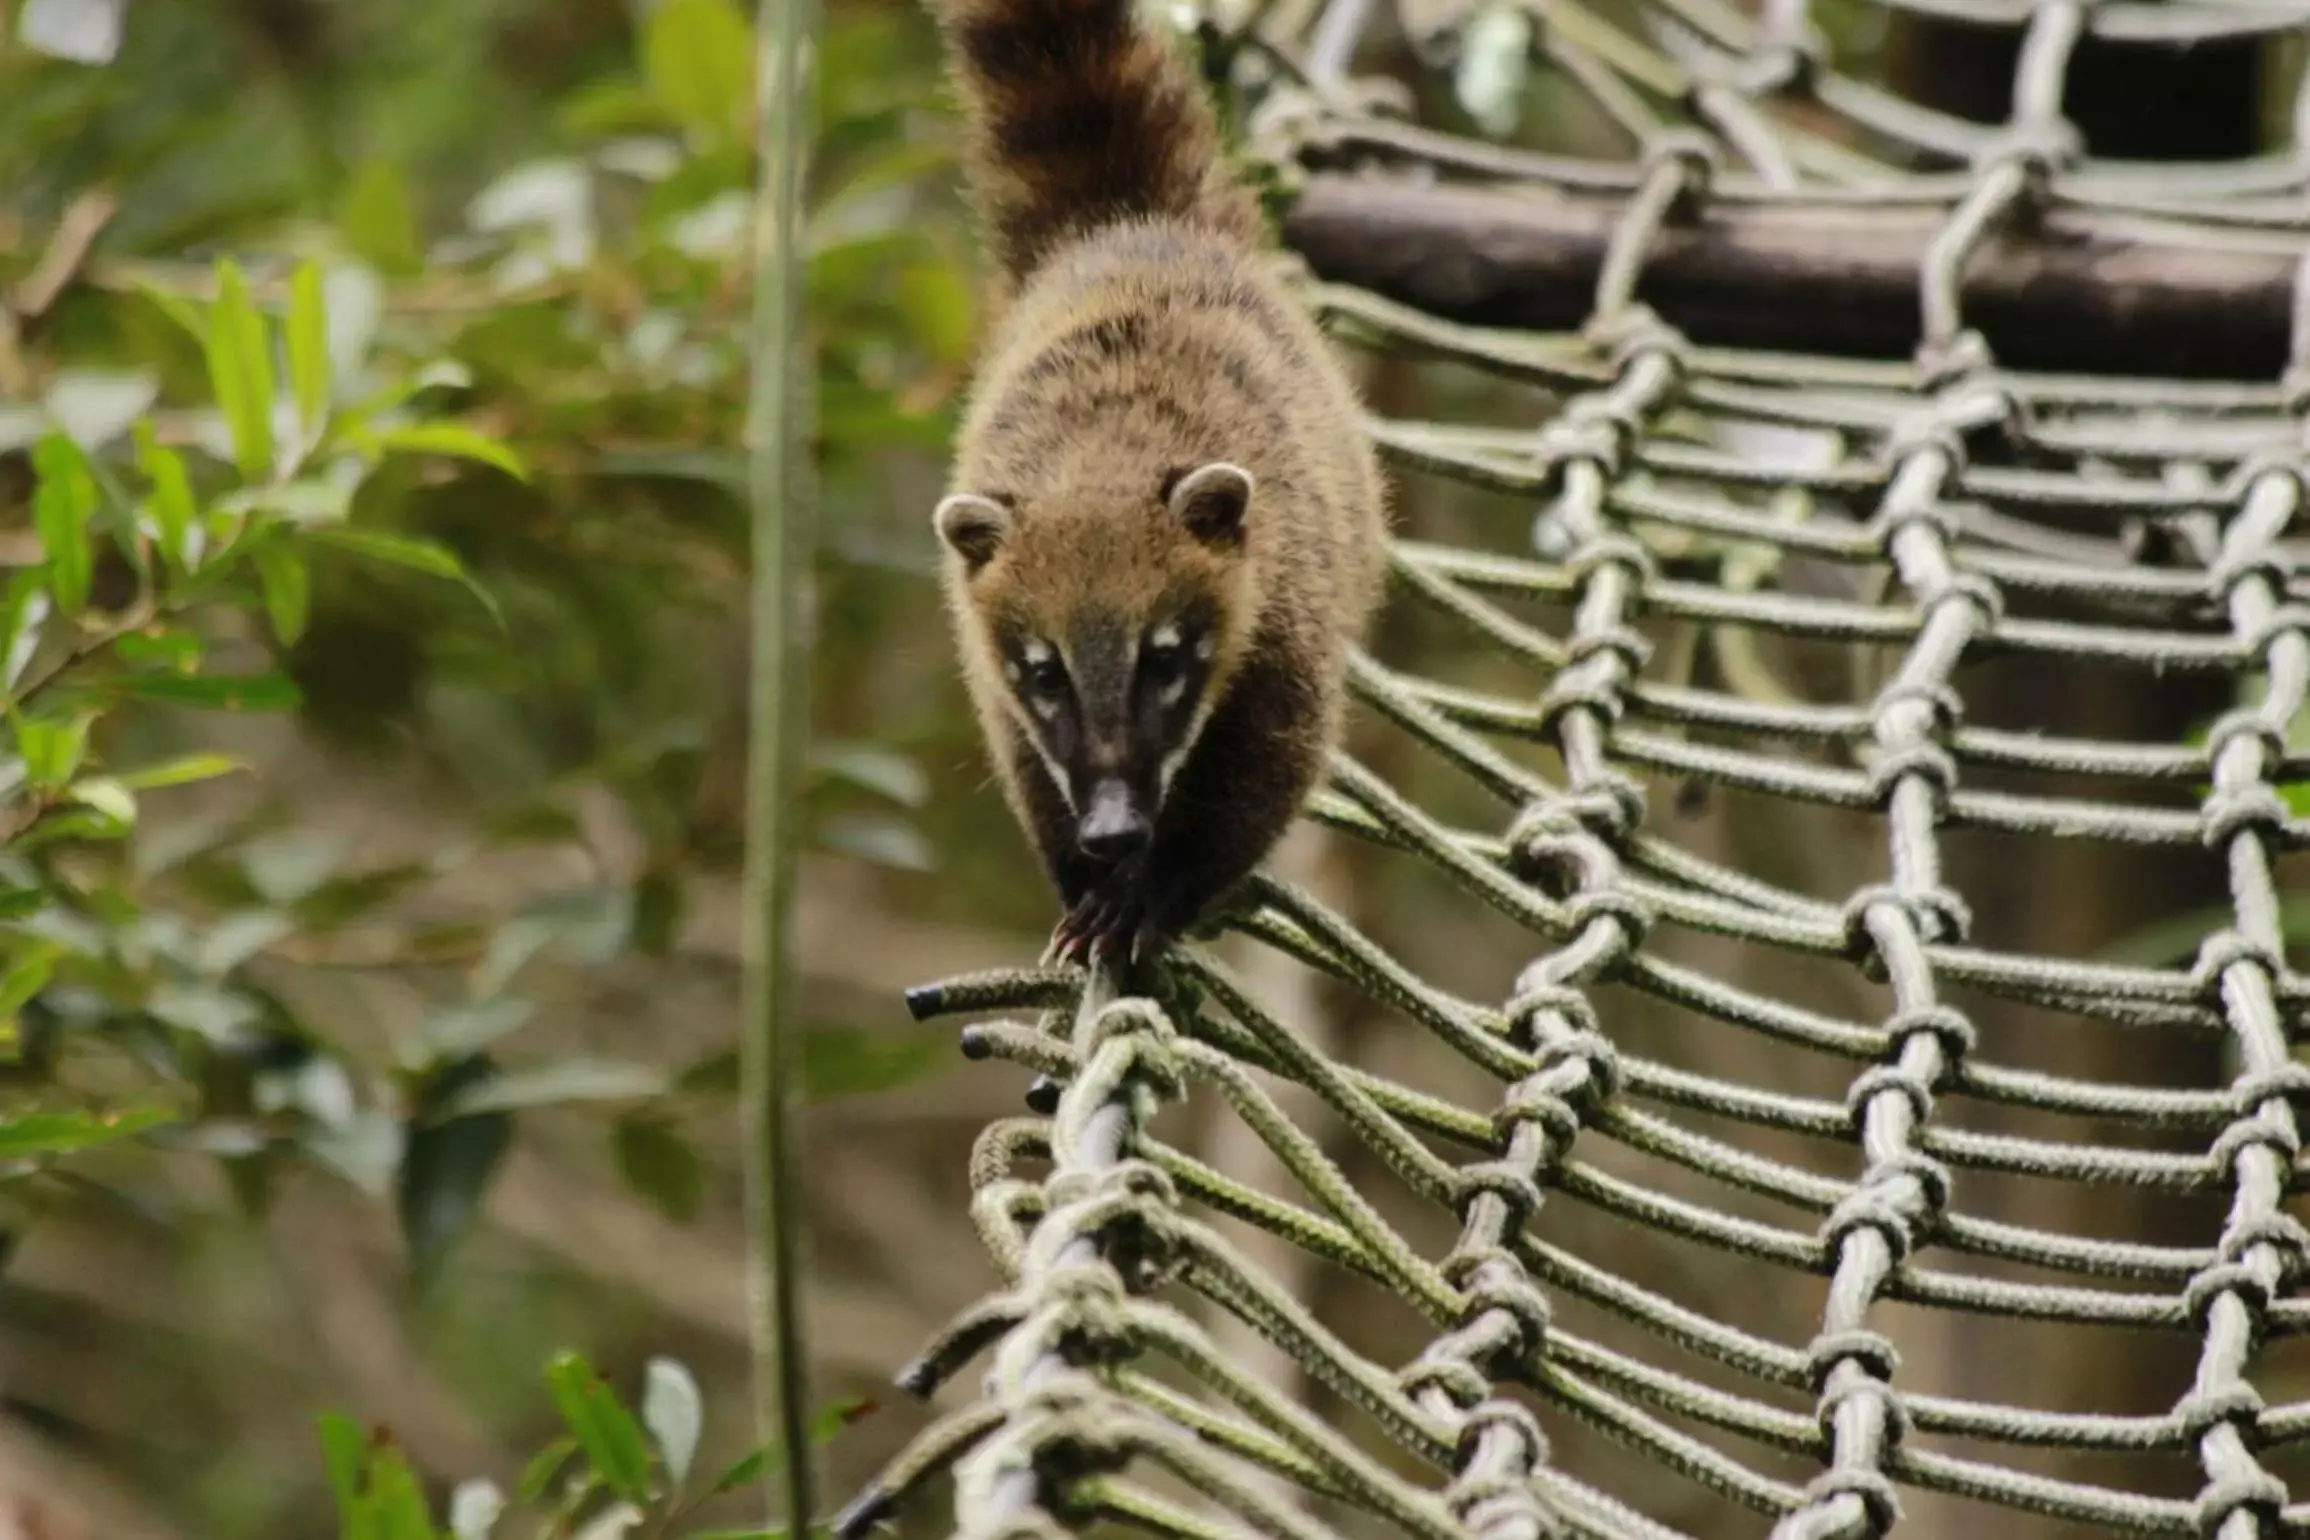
{"type": "Point", "coordinates": [1114, 822]}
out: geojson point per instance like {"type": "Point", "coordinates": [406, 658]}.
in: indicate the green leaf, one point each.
{"type": "Point", "coordinates": [241, 372]}
{"type": "Point", "coordinates": [26, 977]}
{"type": "Point", "coordinates": [213, 692]}
{"type": "Point", "coordinates": [181, 772]}
{"type": "Point", "coordinates": [62, 506]}
{"type": "Point", "coordinates": [659, 1163]}
{"type": "Point", "coordinates": [878, 770]}
{"type": "Point", "coordinates": [345, 1454]}
{"type": "Point", "coordinates": [309, 349]}
{"type": "Point", "coordinates": [398, 1501]}
{"type": "Point", "coordinates": [675, 1413]}
{"type": "Point", "coordinates": [605, 1430]}
{"type": "Point", "coordinates": [456, 1030]}
{"type": "Point", "coordinates": [287, 587]}
{"type": "Point", "coordinates": [378, 221]}
{"type": "Point", "coordinates": [56, 1133]}
{"type": "Point", "coordinates": [569, 1080]}
{"type": "Point", "coordinates": [174, 513]}
{"type": "Point", "coordinates": [165, 649]}
{"type": "Point", "coordinates": [698, 57]}
{"type": "Point", "coordinates": [52, 749]}
{"type": "Point", "coordinates": [446, 1165]}
{"type": "Point", "coordinates": [543, 1466]}
{"type": "Point", "coordinates": [108, 797]}
{"type": "Point", "coordinates": [882, 840]}
{"type": "Point", "coordinates": [449, 438]}
{"type": "Point", "coordinates": [406, 551]}
{"type": "Point", "coordinates": [286, 866]}
{"type": "Point", "coordinates": [26, 610]}
{"type": "Point", "coordinates": [178, 309]}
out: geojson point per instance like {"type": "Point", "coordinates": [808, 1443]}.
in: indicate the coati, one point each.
{"type": "Point", "coordinates": [1165, 530]}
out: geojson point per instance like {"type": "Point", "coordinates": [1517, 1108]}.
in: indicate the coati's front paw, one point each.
{"type": "Point", "coordinates": [1110, 924]}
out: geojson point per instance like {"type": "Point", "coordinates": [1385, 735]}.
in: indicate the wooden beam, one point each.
{"type": "Point", "coordinates": [2084, 294]}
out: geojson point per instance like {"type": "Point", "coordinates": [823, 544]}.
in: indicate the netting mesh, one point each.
{"type": "Point", "coordinates": [1939, 507]}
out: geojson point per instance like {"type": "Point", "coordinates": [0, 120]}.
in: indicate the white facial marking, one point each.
{"type": "Point", "coordinates": [1165, 635]}
{"type": "Point", "coordinates": [1010, 671]}
{"type": "Point", "coordinates": [1172, 691]}
{"type": "Point", "coordinates": [1204, 647]}
{"type": "Point", "coordinates": [1038, 651]}
{"type": "Point", "coordinates": [1046, 708]}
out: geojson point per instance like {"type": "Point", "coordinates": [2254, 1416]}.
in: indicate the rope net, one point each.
{"type": "Point", "coordinates": [1940, 510]}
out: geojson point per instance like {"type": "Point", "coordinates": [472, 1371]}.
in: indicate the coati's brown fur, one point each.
{"type": "Point", "coordinates": [1166, 528]}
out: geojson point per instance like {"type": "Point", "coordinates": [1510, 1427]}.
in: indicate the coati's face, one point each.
{"type": "Point", "coordinates": [1113, 630]}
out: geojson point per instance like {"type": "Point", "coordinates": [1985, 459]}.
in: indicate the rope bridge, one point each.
{"type": "Point", "coordinates": [1942, 507]}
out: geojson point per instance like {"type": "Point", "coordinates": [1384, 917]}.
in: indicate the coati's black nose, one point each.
{"type": "Point", "coordinates": [1112, 826]}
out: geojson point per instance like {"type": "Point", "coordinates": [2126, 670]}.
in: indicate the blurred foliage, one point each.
{"type": "Point", "coordinates": [382, 370]}
{"type": "Point", "coordinates": [610, 1473]}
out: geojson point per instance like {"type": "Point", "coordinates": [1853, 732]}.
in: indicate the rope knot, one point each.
{"type": "Point", "coordinates": [1921, 759]}
{"type": "Point", "coordinates": [1500, 1446]}
{"type": "Point", "coordinates": [2282, 1233]}
{"type": "Point", "coordinates": [2238, 1279]}
{"type": "Point", "coordinates": [1891, 1411]}
{"type": "Point", "coordinates": [2253, 1490]}
{"type": "Point", "coordinates": [1536, 993]}
{"type": "Point", "coordinates": [1151, 1037]}
{"type": "Point", "coordinates": [1946, 361]}
{"type": "Point", "coordinates": [2224, 950]}
{"type": "Point", "coordinates": [1695, 156]}
{"type": "Point", "coordinates": [1880, 1500]}
{"type": "Point", "coordinates": [1580, 689]}
{"type": "Point", "coordinates": [1076, 1432]}
{"type": "Point", "coordinates": [1629, 916]}
{"type": "Point", "coordinates": [1612, 550]}
{"type": "Point", "coordinates": [1869, 1351]}
{"type": "Point", "coordinates": [1936, 915]}
{"type": "Point", "coordinates": [1555, 851]}
{"type": "Point", "coordinates": [1628, 333]}
{"type": "Point", "coordinates": [1883, 1203]}
{"type": "Point", "coordinates": [2246, 722]}
{"type": "Point", "coordinates": [1091, 1313]}
{"type": "Point", "coordinates": [2230, 811]}
{"type": "Point", "coordinates": [1625, 645]}
{"type": "Point", "coordinates": [2288, 1082]}
{"type": "Point", "coordinates": [1884, 1079]}
{"type": "Point", "coordinates": [1495, 1281]}
{"type": "Point", "coordinates": [1945, 1022]}
{"type": "Point", "coordinates": [2203, 1410]}
{"type": "Point", "coordinates": [1511, 1184]}
{"type": "Point", "coordinates": [1918, 432]}
{"type": "Point", "coordinates": [1459, 1381]}
{"type": "Point", "coordinates": [2266, 1127]}
{"type": "Point", "coordinates": [1568, 438]}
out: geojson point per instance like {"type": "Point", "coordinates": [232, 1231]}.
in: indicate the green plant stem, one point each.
{"type": "Point", "coordinates": [783, 507]}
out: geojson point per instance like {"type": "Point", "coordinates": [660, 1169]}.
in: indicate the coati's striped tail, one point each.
{"type": "Point", "coordinates": [1079, 117]}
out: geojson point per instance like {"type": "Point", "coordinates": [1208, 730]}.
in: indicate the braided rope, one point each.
{"type": "Point", "coordinates": [1687, 491]}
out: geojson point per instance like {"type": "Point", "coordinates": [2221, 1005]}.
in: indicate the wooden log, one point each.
{"type": "Point", "coordinates": [2084, 293]}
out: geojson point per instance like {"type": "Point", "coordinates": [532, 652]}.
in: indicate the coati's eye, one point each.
{"type": "Point", "coordinates": [1163, 657]}
{"type": "Point", "coordinates": [1040, 676]}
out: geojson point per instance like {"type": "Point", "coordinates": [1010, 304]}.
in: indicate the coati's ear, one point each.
{"type": "Point", "coordinates": [1211, 501]}
{"type": "Point", "coordinates": [973, 527]}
